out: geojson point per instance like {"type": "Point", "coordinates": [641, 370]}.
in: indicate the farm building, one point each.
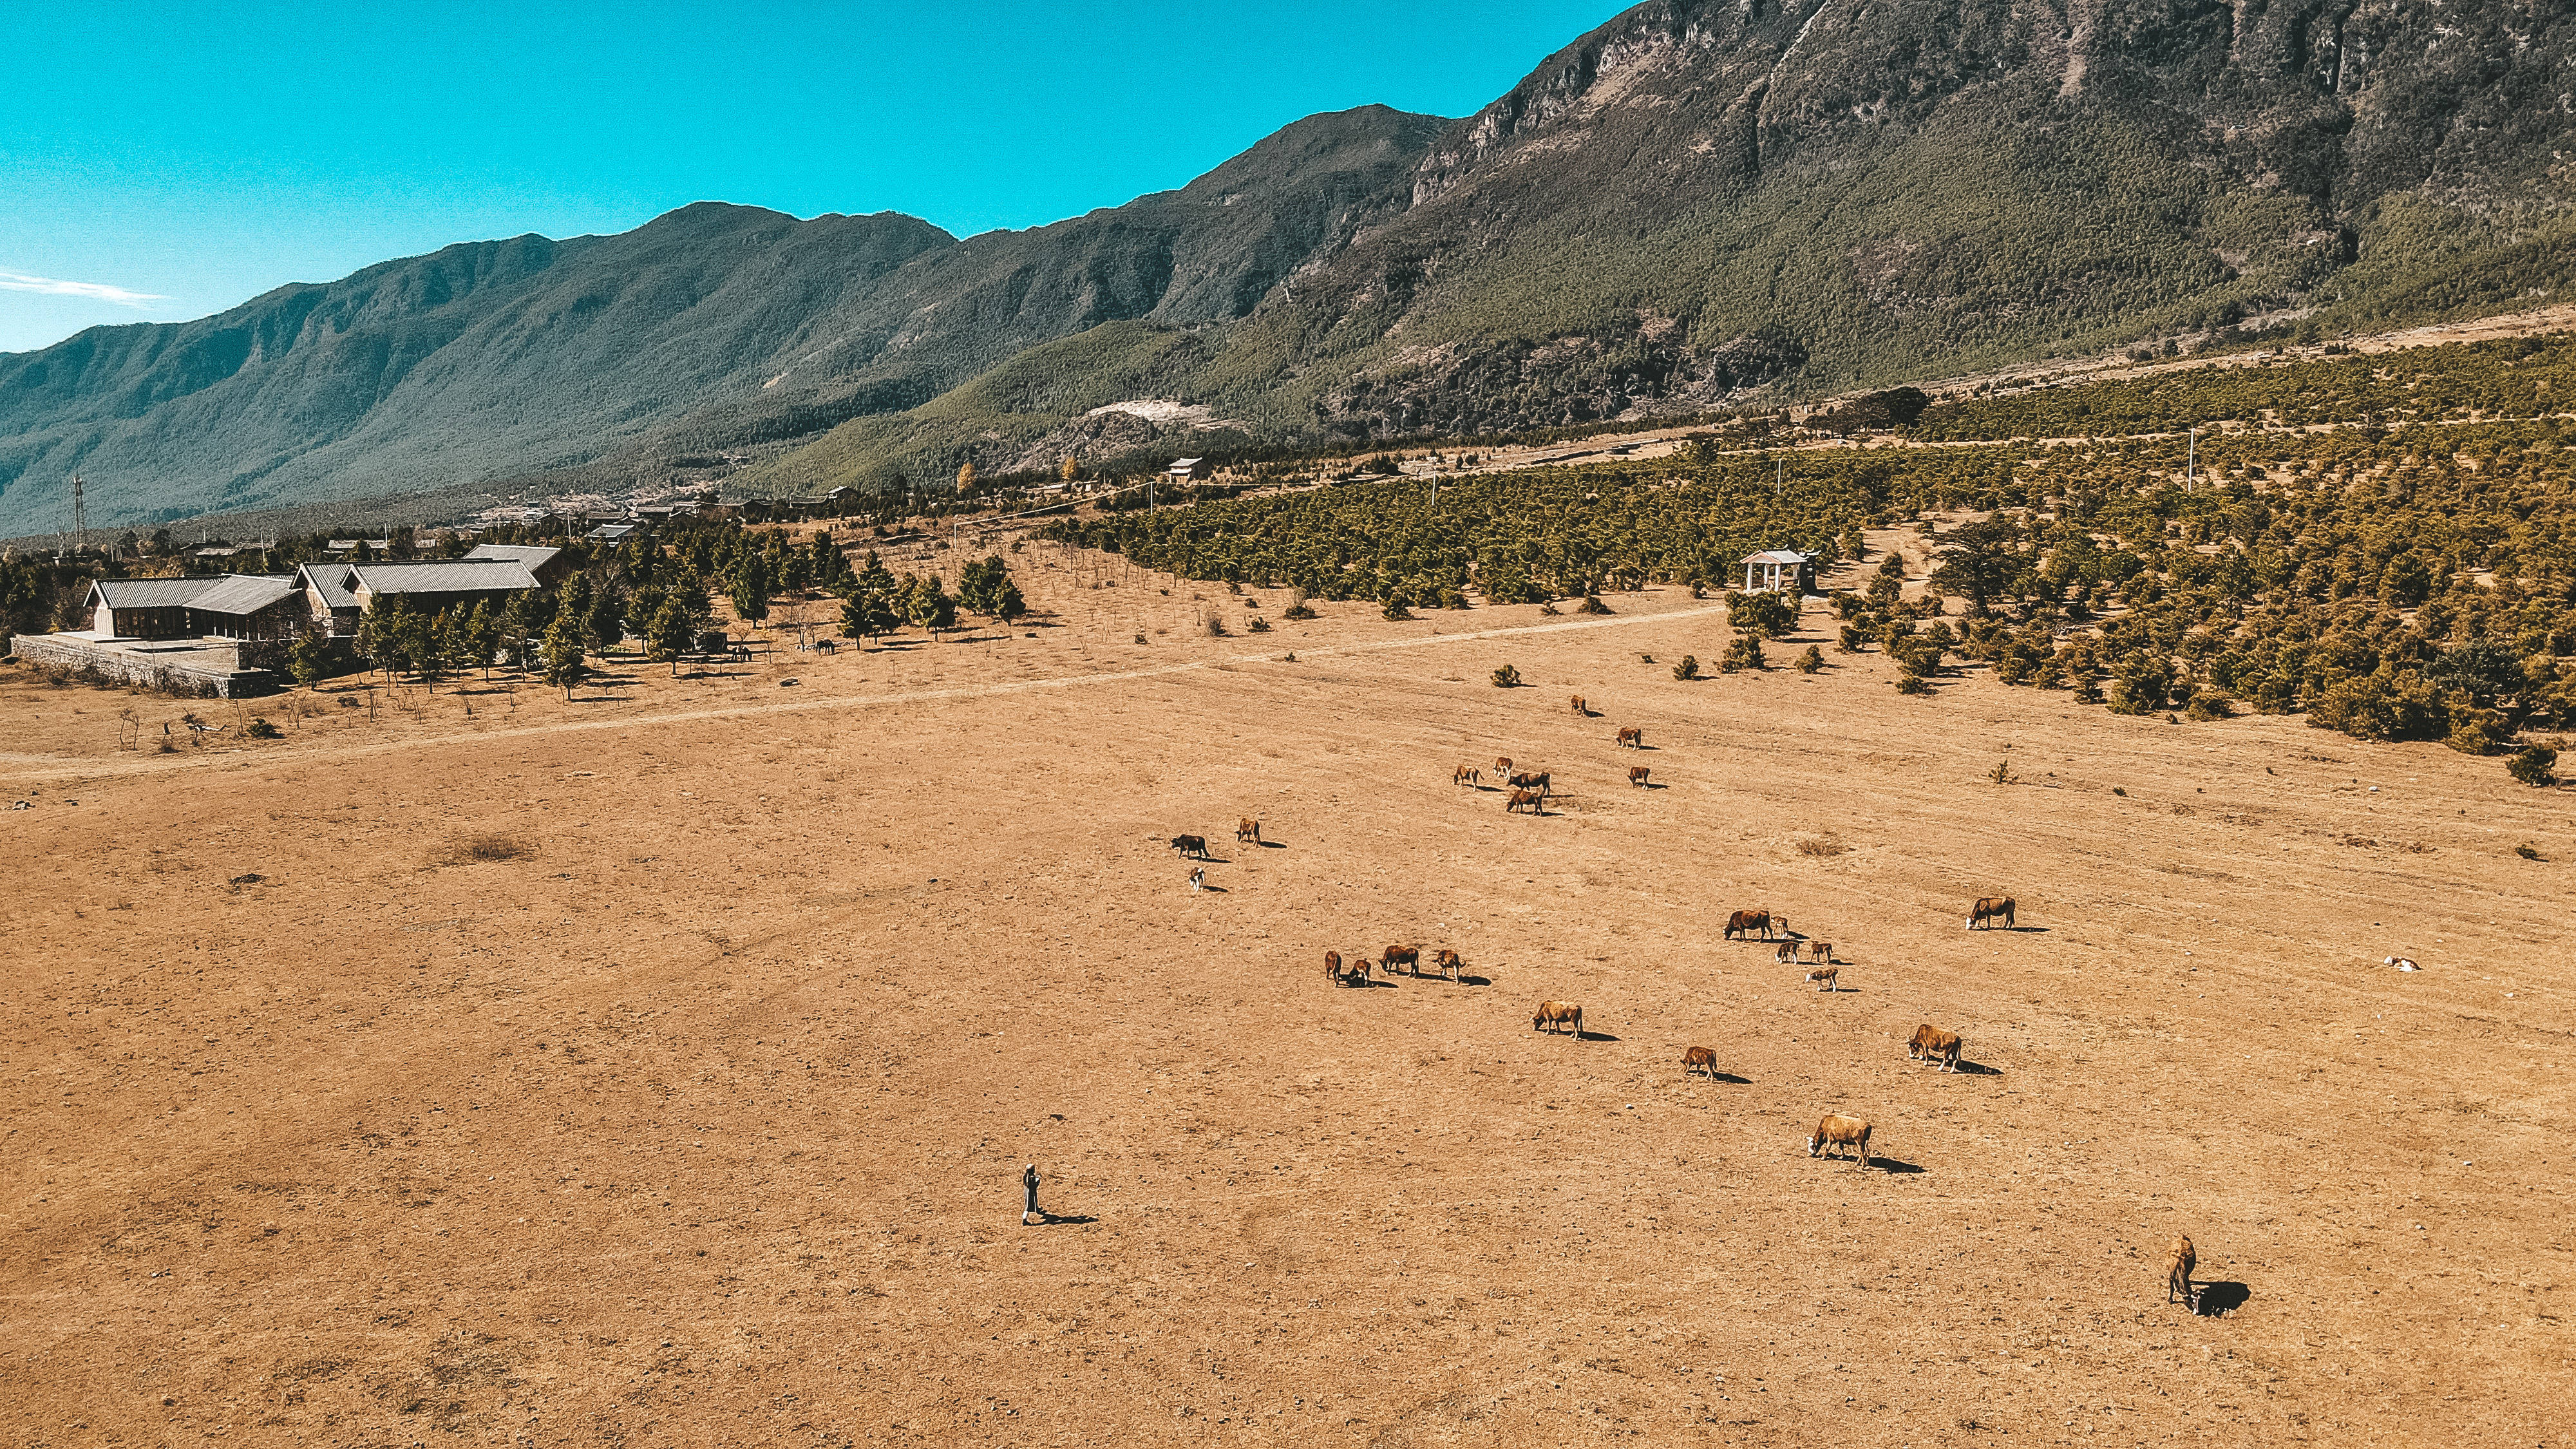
{"type": "Point", "coordinates": [1189, 468]}
{"type": "Point", "coordinates": [144, 608]}
{"type": "Point", "coordinates": [547, 565]}
{"type": "Point", "coordinates": [249, 606]}
{"type": "Point", "coordinates": [1779, 570]}
{"type": "Point", "coordinates": [611, 534]}
{"type": "Point", "coordinates": [341, 592]}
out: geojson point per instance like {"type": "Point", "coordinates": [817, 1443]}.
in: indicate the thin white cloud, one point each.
{"type": "Point", "coordinates": [95, 291]}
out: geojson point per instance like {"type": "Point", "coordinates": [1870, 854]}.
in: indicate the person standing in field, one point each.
{"type": "Point", "coordinates": [1029, 1186]}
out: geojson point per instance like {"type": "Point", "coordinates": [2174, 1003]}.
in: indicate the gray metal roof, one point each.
{"type": "Point", "coordinates": [331, 582]}
{"type": "Point", "coordinates": [1778, 556]}
{"type": "Point", "coordinates": [152, 593]}
{"type": "Point", "coordinates": [610, 532]}
{"type": "Point", "coordinates": [243, 594]}
{"type": "Point", "coordinates": [455, 576]}
{"type": "Point", "coordinates": [532, 555]}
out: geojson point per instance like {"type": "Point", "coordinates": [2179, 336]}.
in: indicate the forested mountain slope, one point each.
{"type": "Point", "coordinates": [1697, 203]}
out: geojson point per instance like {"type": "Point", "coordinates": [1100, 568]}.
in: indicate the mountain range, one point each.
{"type": "Point", "coordinates": [1696, 204]}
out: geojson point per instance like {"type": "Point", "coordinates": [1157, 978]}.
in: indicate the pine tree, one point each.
{"type": "Point", "coordinates": [562, 651]}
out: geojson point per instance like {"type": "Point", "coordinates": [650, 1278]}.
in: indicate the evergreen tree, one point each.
{"type": "Point", "coordinates": [309, 658]}
{"type": "Point", "coordinates": [671, 634]}
{"type": "Point", "coordinates": [565, 644]}
{"type": "Point", "coordinates": [751, 590]}
{"type": "Point", "coordinates": [605, 622]}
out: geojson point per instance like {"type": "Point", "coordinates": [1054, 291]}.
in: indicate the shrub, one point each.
{"type": "Point", "coordinates": [1811, 661]}
{"type": "Point", "coordinates": [1507, 677]}
{"type": "Point", "coordinates": [261, 729]}
{"type": "Point", "coordinates": [1297, 610]}
{"type": "Point", "coordinates": [1688, 668]}
{"type": "Point", "coordinates": [2534, 766]}
{"type": "Point", "coordinates": [1547, 610]}
{"type": "Point", "coordinates": [1746, 651]}
{"type": "Point", "coordinates": [2205, 707]}
{"type": "Point", "coordinates": [1852, 639]}
{"type": "Point", "coordinates": [1829, 845]}
{"type": "Point", "coordinates": [2527, 852]}
{"type": "Point", "coordinates": [1592, 605]}
{"type": "Point", "coordinates": [1912, 684]}
{"type": "Point", "coordinates": [492, 847]}
{"type": "Point", "coordinates": [1396, 610]}
{"type": "Point", "coordinates": [2002, 773]}
{"type": "Point", "coordinates": [1260, 625]}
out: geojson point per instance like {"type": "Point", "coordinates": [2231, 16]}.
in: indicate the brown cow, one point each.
{"type": "Point", "coordinates": [1633, 738]}
{"type": "Point", "coordinates": [1409, 957]}
{"type": "Point", "coordinates": [1247, 828]}
{"type": "Point", "coordinates": [1787, 955]}
{"type": "Point", "coordinates": [1745, 923]}
{"type": "Point", "coordinates": [1465, 775]}
{"type": "Point", "coordinates": [1531, 780]}
{"type": "Point", "coordinates": [1932, 1044]}
{"type": "Point", "coordinates": [1536, 802]}
{"type": "Point", "coordinates": [1637, 776]}
{"type": "Point", "coordinates": [1699, 1059]}
{"type": "Point", "coordinates": [1840, 1131]}
{"type": "Point", "coordinates": [1333, 966]}
{"type": "Point", "coordinates": [2179, 1261]}
{"type": "Point", "coordinates": [1502, 767]}
{"type": "Point", "coordinates": [1553, 1014]}
{"type": "Point", "coordinates": [1193, 846]}
{"type": "Point", "coordinates": [1822, 951]}
{"type": "Point", "coordinates": [1988, 909]}
{"type": "Point", "coordinates": [1446, 962]}
{"type": "Point", "coordinates": [1581, 708]}
{"type": "Point", "coordinates": [1824, 976]}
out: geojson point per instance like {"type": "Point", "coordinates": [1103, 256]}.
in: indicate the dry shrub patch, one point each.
{"type": "Point", "coordinates": [477, 848]}
{"type": "Point", "coordinates": [1825, 845]}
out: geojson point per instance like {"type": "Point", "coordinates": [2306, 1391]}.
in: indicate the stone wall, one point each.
{"type": "Point", "coordinates": [86, 660]}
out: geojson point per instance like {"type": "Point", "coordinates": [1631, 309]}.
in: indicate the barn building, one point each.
{"type": "Point", "coordinates": [340, 593]}
{"type": "Point", "coordinates": [1779, 571]}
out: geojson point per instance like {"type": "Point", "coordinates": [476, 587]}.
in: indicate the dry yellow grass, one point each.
{"type": "Point", "coordinates": [702, 1121]}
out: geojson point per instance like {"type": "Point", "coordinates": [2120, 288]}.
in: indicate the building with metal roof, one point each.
{"type": "Point", "coordinates": [1779, 570]}
{"type": "Point", "coordinates": [547, 565]}
{"type": "Point", "coordinates": [144, 608]}
{"type": "Point", "coordinates": [249, 606]}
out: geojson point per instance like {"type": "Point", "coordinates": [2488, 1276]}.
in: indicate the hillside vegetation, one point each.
{"type": "Point", "coordinates": [2385, 544]}
{"type": "Point", "coordinates": [1696, 206]}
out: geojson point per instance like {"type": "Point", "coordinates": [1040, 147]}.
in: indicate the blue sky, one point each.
{"type": "Point", "coordinates": [165, 162]}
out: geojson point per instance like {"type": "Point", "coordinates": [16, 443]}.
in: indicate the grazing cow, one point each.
{"type": "Point", "coordinates": [1409, 957]}
{"type": "Point", "coordinates": [1333, 967]}
{"type": "Point", "coordinates": [1633, 738]}
{"type": "Point", "coordinates": [1531, 799]}
{"type": "Point", "coordinates": [1931, 1044]}
{"type": "Point", "coordinates": [1637, 776]}
{"type": "Point", "coordinates": [2179, 1261]}
{"type": "Point", "coordinates": [1248, 828]}
{"type": "Point", "coordinates": [1840, 1131]}
{"type": "Point", "coordinates": [1190, 846]}
{"type": "Point", "coordinates": [1198, 877]}
{"type": "Point", "coordinates": [1989, 909]}
{"type": "Point", "coordinates": [1824, 976]}
{"type": "Point", "coordinates": [1745, 923]}
{"type": "Point", "coordinates": [1581, 708]}
{"type": "Point", "coordinates": [1531, 780]}
{"type": "Point", "coordinates": [1502, 767]}
{"type": "Point", "coordinates": [1787, 955]}
{"type": "Point", "coordinates": [1553, 1014]}
{"type": "Point", "coordinates": [1446, 962]}
{"type": "Point", "coordinates": [1821, 951]}
{"type": "Point", "coordinates": [1465, 775]}
{"type": "Point", "coordinates": [1699, 1059]}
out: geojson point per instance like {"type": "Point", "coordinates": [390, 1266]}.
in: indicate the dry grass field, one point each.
{"type": "Point", "coordinates": [658, 1068]}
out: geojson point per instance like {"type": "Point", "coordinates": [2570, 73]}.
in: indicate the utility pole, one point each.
{"type": "Point", "coordinates": [2191, 460]}
{"type": "Point", "coordinates": [80, 518]}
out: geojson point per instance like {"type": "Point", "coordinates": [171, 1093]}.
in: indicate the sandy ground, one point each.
{"type": "Point", "coordinates": [700, 1121]}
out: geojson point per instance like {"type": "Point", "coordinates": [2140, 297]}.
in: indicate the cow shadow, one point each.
{"type": "Point", "coordinates": [1968, 1068]}
{"type": "Point", "coordinates": [1212, 888]}
{"type": "Point", "coordinates": [1271, 845]}
{"type": "Point", "coordinates": [1894, 1166]}
{"type": "Point", "coordinates": [1204, 859]}
{"type": "Point", "coordinates": [1594, 1036]}
{"type": "Point", "coordinates": [1062, 1220]}
{"type": "Point", "coordinates": [1467, 980]}
{"type": "Point", "coordinates": [1729, 1078]}
{"type": "Point", "coordinates": [2217, 1300]}
{"type": "Point", "coordinates": [1648, 785]}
